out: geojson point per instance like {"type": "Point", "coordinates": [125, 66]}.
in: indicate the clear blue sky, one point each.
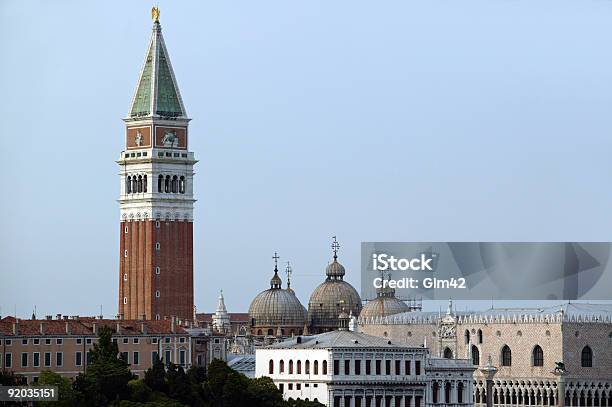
{"type": "Point", "coordinates": [397, 120]}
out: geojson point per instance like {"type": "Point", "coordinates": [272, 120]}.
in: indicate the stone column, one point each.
{"type": "Point", "coordinates": [489, 371]}
{"type": "Point", "coordinates": [561, 373]}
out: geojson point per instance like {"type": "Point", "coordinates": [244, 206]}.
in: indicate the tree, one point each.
{"type": "Point", "coordinates": [67, 396]}
{"type": "Point", "coordinates": [107, 376]}
{"type": "Point", "coordinates": [155, 376]}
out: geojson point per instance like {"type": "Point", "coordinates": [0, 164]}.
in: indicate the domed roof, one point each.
{"type": "Point", "coordinates": [382, 307]}
{"type": "Point", "coordinates": [331, 298]}
{"type": "Point", "coordinates": [277, 307]}
{"type": "Point", "coordinates": [385, 303]}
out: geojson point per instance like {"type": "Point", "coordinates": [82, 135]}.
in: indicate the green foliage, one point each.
{"type": "Point", "coordinates": [107, 376]}
{"type": "Point", "coordinates": [155, 377]}
{"type": "Point", "coordinates": [67, 396]}
{"type": "Point", "coordinates": [9, 379]}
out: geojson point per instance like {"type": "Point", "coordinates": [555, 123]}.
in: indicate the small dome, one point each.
{"type": "Point", "coordinates": [382, 307]}
{"type": "Point", "coordinates": [335, 269]}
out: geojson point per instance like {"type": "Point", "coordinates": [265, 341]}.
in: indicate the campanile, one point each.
{"type": "Point", "coordinates": [156, 198]}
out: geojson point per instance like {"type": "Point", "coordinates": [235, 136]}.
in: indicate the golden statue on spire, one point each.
{"type": "Point", "coordinates": [155, 14]}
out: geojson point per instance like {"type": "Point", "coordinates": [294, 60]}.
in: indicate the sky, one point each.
{"type": "Point", "coordinates": [437, 120]}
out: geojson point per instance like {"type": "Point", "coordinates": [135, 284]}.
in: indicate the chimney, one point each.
{"type": "Point", "coordinates": [143, 328]}
{"type": "Point", "coordinates": [143, 317]}
{"type": "Point", "coordinates": [94, 328]}
{"type": "Point", "coordinates": [68, 330]}
{"type": "Point", "coordinates": [49, 317]}
{"type": "Point", "coordinates": [58, 316]}
{"type": "Point", "coordinates": [42, 328]}
{"type": "Point", "coordinates": [16, 327]}
{"type": "Point", "coordinates": [65, 317]}
{"type": "Point", "coordinates": [118, 328]}
{"type": "Point", "coordinates": [173, 325]}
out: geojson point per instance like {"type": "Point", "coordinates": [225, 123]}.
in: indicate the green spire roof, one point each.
{"type": "Point", "coordinates": [157, 93]}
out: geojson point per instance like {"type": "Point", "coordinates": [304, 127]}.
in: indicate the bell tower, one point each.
{"type": "Point", "coordinates": [156, 195]}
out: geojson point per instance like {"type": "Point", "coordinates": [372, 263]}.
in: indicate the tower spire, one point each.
{"type": "Point", "coordinates": [288, 271]}
{"type": "Point", "coordinates": [275, 282]}
{"type": "Point", "coordinates": [157, 93]}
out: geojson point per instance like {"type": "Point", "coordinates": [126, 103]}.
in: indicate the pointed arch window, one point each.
{"type": "Point", "coordinates": [506, 356]}
{"type": "Point", "coordinates": [475, 355]}
{"type": "Point", "coordinates": [128, 185]}
{"type": "Point", "coordinates": [134, 184]}
{"type": "Point", "coordinates": [586, 357]}
{"type": "Point", "coordinates": [140, 183]}
{"type": "Point", "coordinates": [480, 336]}
{"type": "Point", "coordinates": [167, 184]}
{"type": "Point", "coordinates": [467, 336]}
{"type": "Point", "coordinates": [538, 356]}
{"type": "Point", "coordinates": [160, 183]}
{"type": "Point", "coordinates": [448, 353]}
{"type": "Point", "coordinates": [291, 366]}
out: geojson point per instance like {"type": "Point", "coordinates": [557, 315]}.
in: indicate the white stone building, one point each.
{"type": "Point", "coordinates": [350, 369]}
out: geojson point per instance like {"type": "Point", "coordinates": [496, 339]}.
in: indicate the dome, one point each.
{"type": "Point", "coordinates": [277, 307]}
{"type": "Point", "coordinates": [331, 298]}
{"type": "Point", "coordinates": [382, 307]}
{"type": "Point", "coordinates": [385, 303]}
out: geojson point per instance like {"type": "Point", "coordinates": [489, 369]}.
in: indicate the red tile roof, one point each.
{"type": "Point", "coordinates": [84, 326]}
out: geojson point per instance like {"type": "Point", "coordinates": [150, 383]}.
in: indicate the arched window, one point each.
{"type": "Point", "coordinates": [316, 367]}
{"type": "Point", "coordinates": [160, 182]}
{"type": "Point", "coordinates": [506, 356]}
{"type": "Point", "coordinates": [167, 184]}
{"type": "Point", "coordinates": [140, 183]}
{"type": "Point", "coordinates": [467, 337]}
{"type": "Point", "coordinates": [537, 356]}
{"type": "Point", "coordinates": [175, 184]}
{"type": "Point", "coordinates": [281, 367]}
{"type": "Point", "coordinates": [182, 185]}
{"type": "Point", "coordinates": [134, 184]}
{"type": "Point", "coordinates": [475, 356]}
{"type": "Point", "coordinates": [144, 184]}
{"type": "Point", "coordinates": [259, 332]}
{"type": "Point", "coordinates": [291, 367]}
{"type": "Point", "coordinates": [435, 390]}
{"type": "Point", "coordinates": [324, 367]}
{"type": "Point", "coordinates": [587, 357]}
{"type": "Point", "coordinates": [447, 392]}
{"type": "Point", "coordinates": [460, 392]}
{"type": "Point", "coordinates": [270, 332]}
{"type": "Point", "coordinates": [128, 185]}
{"type": "Point", "coordinates": [299, 367]}
{"type": "Point", "coordinates": [479, 337]}
{"type": "Point", "coordinates": [307, 367]}
{"type": "Point", "coordinates": [448, 354]}
{"type": "Point", "coordinates": [271, 367]}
